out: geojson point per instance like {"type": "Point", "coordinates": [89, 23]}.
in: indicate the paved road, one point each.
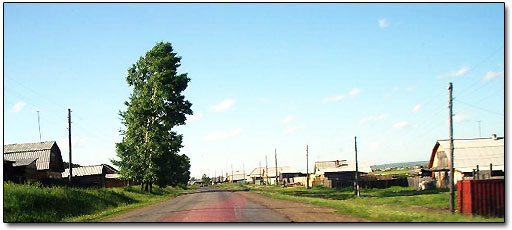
{"type": "Point", "coordinates": [206, 205]}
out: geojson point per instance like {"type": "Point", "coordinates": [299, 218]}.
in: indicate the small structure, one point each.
{"type": "Point", "coordinates": [256, 176]}
{"type": "Point", "coordinates": [337, 173]}
{"type": "Point", "coordinates": [470, 154]}
{"type": "Point", "coordinates": [293, 177]}
{"type": "Point", "coordinates": [270, 175]}
{"type": "Point", "coordinates": [96, 176]}
{"type": "Point", "coordinates": [33, 161]}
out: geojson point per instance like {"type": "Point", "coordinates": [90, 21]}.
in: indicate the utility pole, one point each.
{"type": "Point", "coordinates": [69, 129]}
{"type": "Point", "coordinates": [39, 125]}
{"type": "Point", "coordinates": [243, 166]}
{"type": "Point", "coordinates": [479, 128]}
{"type": "Point", "coordinates": [277, 173]}
{"type": "Point", "coordinates": [357, 169]}
{"type": "Point", "coordinates": [451, 180]}
{"type": "Point", "coordinates": [266, 170]}
{"type": "Point", "coordinates": [232, 178]}
{"type": "Point", "coordinates": [307, 167]}
{"type": "Point", "coordinates": [261, 178]}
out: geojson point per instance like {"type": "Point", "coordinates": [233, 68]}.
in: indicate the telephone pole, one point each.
{"type": "Point", "coordinates": [39, 125]}
{"type": "Point", "coordinates": [232, 178]}
{"type": "Point", "coordinates": [243, 166]}
{"type": "Point", "coordinates": [277, 173]}
{"type": "Point", "coordinates": [357, 169]}
{"type": "Point", "coordinates": [266, 170]}
{"type": "Point", "coordinates": [261, 178]}
{"type": "Point", "coordinates": [69, 129]}
{"type": "Point", "coordinates": [451, 180]}
{"type": "Point", "coordinates": [307, 167]}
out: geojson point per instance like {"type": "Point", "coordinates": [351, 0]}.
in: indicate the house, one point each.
{"type": "Point", "coordinates": [236, 177]}
{"type": "Point", "coordinates": [270, 176]}
{"type": "Point", "coordinates": [337, 173]}
{"type": "Point", "coordinates": [468, 154]}
{"type": "Point", "coordinates": [256, 175]}
{"type": "Point", "coordinates": [290, 176]}
{"type": "Point", "coordinates": [96, 176]}
{"type": "Point", "coordinates": [44, 157]}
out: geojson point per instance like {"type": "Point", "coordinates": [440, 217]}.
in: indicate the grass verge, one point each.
{"type": "Point", "coordinates": [31, 203]}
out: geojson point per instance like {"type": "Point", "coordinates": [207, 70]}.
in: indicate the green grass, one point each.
{"type": "Point", "coordinates": [31, 203]}
{"type": "Point", "coordinates": [394, 204]}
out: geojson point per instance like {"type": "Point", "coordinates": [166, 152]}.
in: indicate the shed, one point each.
{"type": "Point", "coordinates": [94, 175]}
{"type": "Point", "coordinates": [45, 156]}
{"type": "Point", "coordinates": [338, 173]}
{"type": "Point", "coordinates": [468, 154]}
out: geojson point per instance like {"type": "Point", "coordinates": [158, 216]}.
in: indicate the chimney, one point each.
{"type": "Point", "coordinates": [494, 137]}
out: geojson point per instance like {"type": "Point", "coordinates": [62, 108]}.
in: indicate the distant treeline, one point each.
{"type": "Point", "coordinates": [401, 164]}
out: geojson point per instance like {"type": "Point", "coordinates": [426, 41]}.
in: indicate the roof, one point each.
{"type": "Point", "coordinates": [469, 153]}
{"type": "Point", "coordinates": [256, 172]}
{"type": "Point", "coordinates": [24, 162]}
{"type": "Point", "coordinates": [322, 167]}
{"type": "Point", "coordinates": [272, 171]}
{"type": "Point", "coordinates": [30, 151]}
{"type": "Point", "coordinates": [90, 170]}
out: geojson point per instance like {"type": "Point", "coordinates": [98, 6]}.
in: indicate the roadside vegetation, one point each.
{"type": "Point", "coordinates": [33, 203]}
{"type": "Point", "coordinates": [394, 204]}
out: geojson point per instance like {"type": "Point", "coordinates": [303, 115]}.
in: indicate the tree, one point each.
{"type": "Point", "coordinates": [206, 179]}
{"type": "Point", "coordinates": [149, 149]}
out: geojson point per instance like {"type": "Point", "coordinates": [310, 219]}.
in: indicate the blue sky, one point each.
{"type": "Point", "coordinates": [263, 76]}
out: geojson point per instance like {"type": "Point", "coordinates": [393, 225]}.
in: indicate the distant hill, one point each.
{"type": "Point", "coordinates": [401, 164]}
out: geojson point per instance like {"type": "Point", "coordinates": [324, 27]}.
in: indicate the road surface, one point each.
{"type": "Point", "coordinates": [205, 205]}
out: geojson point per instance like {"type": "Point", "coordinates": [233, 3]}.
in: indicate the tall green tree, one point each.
{"type": "Point", "coordinates": [149, 149]}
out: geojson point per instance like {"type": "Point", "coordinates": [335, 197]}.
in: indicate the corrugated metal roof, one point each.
{"type": "Point", "coordinates": [322, 167]}
{"type": "Point", "coordinates": [28, 147]}
{"type": "Point", "coordinates": [469, 153]}
{"type": "Point", "coordinates": [43, 158]}
{"type": "Point", "coordinates": [24, 162]}
{"type": "Point", "coordinates": [88, 170]}
{"type": "Point", "coordinates": [272, 171]}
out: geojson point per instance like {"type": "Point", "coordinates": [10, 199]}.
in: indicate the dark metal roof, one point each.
{"type": "Point", "coordinates": [90, 170]}
{"type": "Point", "coordinates": [21, 153]}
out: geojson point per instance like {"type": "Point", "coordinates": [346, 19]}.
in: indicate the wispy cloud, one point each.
{"type": "Point", "coordinates": [294, 129]}
{"type": "Point", "coordinates": [373, 118]}
{"type": "Point", "coordinates": [491, 75]}
{"type": "Point", "coordinates": [18, 106]}
{"type": "Point", "coordinates": [460, 118]}
{"type": "Point", "coordinates": [195, 117]}
{"type": "Point", "coordinates": [456, 73]}
{"type": "Point", "coordinates": [220, 135]}
{"type": "Point", "coordinates": [339, 97]}
{"type": "Point", "coordinates": [287, 119]}
{"type": "Point", "coordinates": [223, 105]}
{"type": "Point", "coordinates": [416, 108]}
{"type": "Point", "coordinates": [400, 124]}
{"type": "Point", "coordinates": [383, 23]}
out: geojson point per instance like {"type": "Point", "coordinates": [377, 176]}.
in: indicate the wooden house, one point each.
{"type": "Point", "coordinates": [468, 154]}
{"type": "Point", "coordinates": [337, 173]}
{"type": "Point", "coordinates": [96, 176]}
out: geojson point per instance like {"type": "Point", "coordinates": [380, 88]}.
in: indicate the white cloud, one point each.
{"type": "Point", "coordinates": [400, 124]}
{"type": "Point", "coordinates": [220, 135]}
{"type": "Point", "coordinates": [287, 119]}
{"type": "Point", "coordinates": [460, 118]}
{"type": "Point", "coordinates": [223, 105]}
{"type": "Point", "coordinates": [491, 74]}
{"type": "Point", "coordinates": [293, 129]}
{"type": "Point", "coordinates": [18, 107]}
{"type": "Point", "coordinates": [194, 117]}
{"type": "Point", "coordinates": [339, 97]}
{"type": "Point", "coordinates": [373, 118]}
{"type": "Point", "coordinates": [416, 108]}
{"type": "Point", "coordinates": [383, 23]}
{"type": "Point", "coordinates": [456, 73]}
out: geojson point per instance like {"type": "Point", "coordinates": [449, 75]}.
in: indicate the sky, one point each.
{"type": "Point", "coordinates": [265, 78]}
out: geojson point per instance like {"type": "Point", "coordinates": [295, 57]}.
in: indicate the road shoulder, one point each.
{"type": "Point", "coordinates": [300, 212]}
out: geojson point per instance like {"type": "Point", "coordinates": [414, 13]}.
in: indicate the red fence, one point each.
{"type": "Point", "coordinates": [481, 197]}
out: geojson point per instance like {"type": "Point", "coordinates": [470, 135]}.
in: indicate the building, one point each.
{"type": "Point", "coordinates": [469, 154]}
{"type": "Point", "coordinates": [270, 176]}
{"type": "Point", "coordinates": [44, 157]}
{"type": "Point", "coordinates": [96, 176]}
{"type": "Point", "coordinates": [337, 173]}
{"type": "Point", "coordinates": [236, 177]}
{"type": "Point", "coordinates": [256, 175]}
{"type": "Point", "coordinates": [293, 177]}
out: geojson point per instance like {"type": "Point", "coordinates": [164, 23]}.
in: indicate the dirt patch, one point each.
{"type": "Point", "coordinates": [300, 212]}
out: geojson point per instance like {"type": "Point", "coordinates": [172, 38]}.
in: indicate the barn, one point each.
{"type": "Point", "coordinates": [96, 176]}
{"type": "Point", "coordinates": [33, 161]}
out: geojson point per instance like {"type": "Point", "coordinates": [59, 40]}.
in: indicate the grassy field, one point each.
{"type": "Point", "coordinates": [30, 203]}
{"type": "Point", "coordinates": [394, 204]}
